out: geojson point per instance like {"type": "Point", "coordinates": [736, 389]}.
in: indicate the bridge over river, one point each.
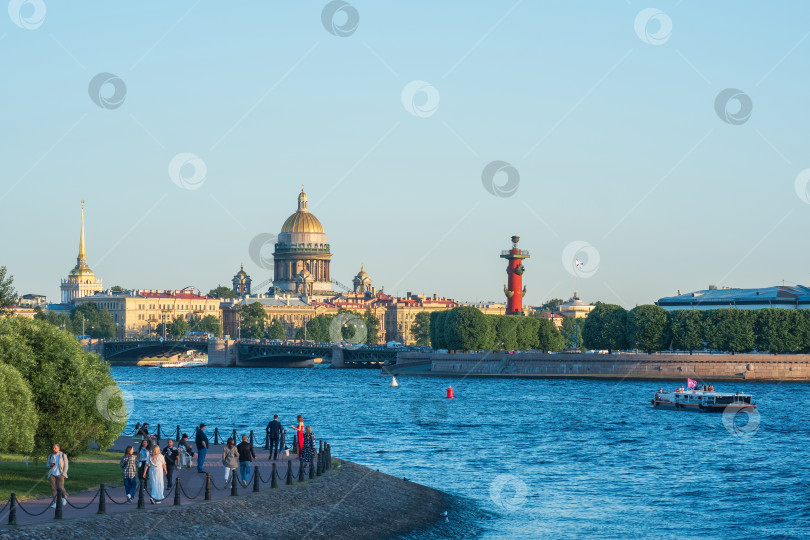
{"type": "Point", "coordinates": [227, 353]}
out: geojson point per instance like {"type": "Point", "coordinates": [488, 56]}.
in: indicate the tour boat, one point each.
{"type": "Point", "coordinates": [701, 400]}
{"type": "Point", "coordinates": [190, 364]}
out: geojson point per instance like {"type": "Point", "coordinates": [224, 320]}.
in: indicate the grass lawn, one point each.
{"type": "Point", "coordinates": [32, 481]}
{"type": "Point", "coordinates": [90, 455]}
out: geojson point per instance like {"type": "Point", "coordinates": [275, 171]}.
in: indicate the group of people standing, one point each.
{"type": "Point", "coordinates": [155, 467]}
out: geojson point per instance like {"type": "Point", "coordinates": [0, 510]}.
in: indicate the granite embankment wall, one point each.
{"type": "Point", "coordinates": [715, 367]}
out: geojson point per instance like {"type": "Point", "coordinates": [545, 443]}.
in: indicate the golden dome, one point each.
{"type": "Point", "coordinates": [302, 221]}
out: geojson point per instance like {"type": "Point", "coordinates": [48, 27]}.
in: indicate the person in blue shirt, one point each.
{"type": "Point", "coordinates": [201, 440]}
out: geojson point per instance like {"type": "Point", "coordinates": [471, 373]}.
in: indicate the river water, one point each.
{"type": "Point", "coordinates": [540, 458]}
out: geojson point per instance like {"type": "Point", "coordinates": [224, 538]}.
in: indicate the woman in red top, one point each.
{"type": "Point", "coordinates": [300, 429]}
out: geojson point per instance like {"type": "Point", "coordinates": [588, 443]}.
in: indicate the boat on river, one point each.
{"type": "Point", "coordinates": [188, 364]}
{"type": "Point", "coordinates": [702, 400]}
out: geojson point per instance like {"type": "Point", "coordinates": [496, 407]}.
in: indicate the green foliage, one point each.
{"type": "Point", "coordinates": [528, 333]}
{"type": "Point", "coordinates": [437, 323]}
{"type": "Point", "coordinates": [209, 324]}
{"type": "Point", "coordinates": [317, 329]}
{"type": "Point", "coordinates": [548, 337]}
{"type": "Point", "coordinates": [222, 291]}
{"type": "Point", "coordinates": [730, 330]}
{"type": "Point", "coordinates": [420, 328]}
{"type": "Point", "coordinates": [252, 320]}
{"type": "Point", "coordinates": [505, 327]}
{"type": "Point", "coordinates": [780, 330]}
{"type": "Point", "coordinates": [18, 416]}
{"type": "Point", "coordinates": [687, 329]}
{"type": "Point", "coordinates": [605, 327]}
{"type": "Point", "coordinates": [59, 320]}
{"type": "Point", "coordinates": [76, 398]}
{"type": "Point", "coordinates": [117, 288]}
{"type": "Point", "coordinates": [97, 324]}
{"type": "Point", "coordinates": [179, 327]}
{"type": "Point", "coordinates": [372, 328]}
{"type": "Point", "coordinates": [571, 333]}
{"type": "Point", "coordinates": [28, 482]}
{"type": "Point", "coordinates": [8, 296]}
{"type": "Point", "coordinates": [276, 330]}
{"type": "Point", "coordinates": [466, 328]}
{"type": "Point", "coordinates": [551, 305]}
{"type": "Point", "coordinates": [648, 328]}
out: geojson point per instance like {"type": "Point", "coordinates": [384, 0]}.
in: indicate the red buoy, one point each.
{"type": "Point", "coordinates": [450, 393]}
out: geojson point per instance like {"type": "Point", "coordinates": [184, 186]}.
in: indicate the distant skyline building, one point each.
{"type": "Point", "coordinates": [575, 308]}
{"type": "Point", "coordinates": [784, 297]}
{"type": "Point", "coordinates": [301, 256]}
{"type": "Point", "coordinates": [241, 282]}
{"type": "Point", "coordinates": [81, 281]}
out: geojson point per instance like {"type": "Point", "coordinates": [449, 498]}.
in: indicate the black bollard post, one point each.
{"type": "Point", "coordinates": [102, 502]}
{"type": "Point", "coordinates": [273, 479]}
{"type": "Point", "coordinates": [289, 473]}
{"type": "Point", "coordinates": [207, 486]}
{"type": "Point", "coordinates": [295, 445]}
{"type": "Point", "coordinates": [177, 491]}
{"type": "Point", "coordinates": [216, 435]}
{"type": "Point", "coordinates": [301, 476]}
{"type": "Point", "coordinates": [233, 436]}
{"type": "Point", "coordinates": [320, 446]}
{"type": "Point", "coordinates": [312, 470]}
{"type": "Point", "coordinates": [141, 504]}
{"type": "Point", "coordinates": [12, 509]}
{"type": "Point", "coordinates": [251, 437]}
{"type": "Point", "coordinates": [234, 474]}
{"type": "Point", "coordinates": [177, 438]}
{"type": "Point", "coordinates": [256, 480]}
{"type": "Point", "coordinates": [267, 443]}
{"type": "Point", "coordinates": [58, 513]}
{"type": "Point", "coordinates": [158, 435]}
{"type": "Point", "coordinates": [320, 463]}
{"type": "Point", "coordinates": [328, 461]}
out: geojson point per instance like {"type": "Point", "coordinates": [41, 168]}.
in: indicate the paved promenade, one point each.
{"type": "Point", "coordinates": [192, 487]}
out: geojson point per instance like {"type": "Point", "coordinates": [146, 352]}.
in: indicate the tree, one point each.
{"type": "Point", "coordinates": [252, 319]}
{"type": "Point", "coordinates": [98, 324]}
{"type": "Point", "coordinates": [779, 330]}
{"type": "Point", "coordinates": [571, 333]}
{"type": "Point", "coordinates": [548, 337]}
{"type": "Point", "coordinates": [605, 327]}
{"type": "Point", "coordinates": [276, 330]}
{"type": "Point", "coordinates": [117, 288]}
{"type": "Point", "coordinates": [437, 324]}
{"type": "Point", "coordinates": [730, 330]}
{"type": "Point", "coordinates": [687, 329]}
{"type": "Point", "coordinates": [420, 328]}
{"type": "Point", "coordinates": [372, 328]}
{"type": "Point", "coordinates": [59, 320]}
{"type": "Point", "coordinates": [506, 328]}
{"type": "Point", "coordinates": [222, 291]}
{"type": "Point", "coordinates": [551, 305]}
{"type": "Point", "coordinates": [466, 329]}
{"type": "Point", "coordinates": [647, 328]}
{"type": "Point", "coordinates": [8, 296]}
{"type": "Point", "coordinates": [179, 327]}
{"type": "Point", "coordinates": [211, 325]}
{"type": "Point", "coordinates": [528, 332]}
{"type": "Point", "coordinates": [76, 398]}
{"type": "Point", "coordinates": [18, 416]}
{"type": "Point", "coordinates": [317, 329]}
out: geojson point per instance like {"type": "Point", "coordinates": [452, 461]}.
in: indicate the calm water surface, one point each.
{"type": "Point", "coordinates": [541, 458]}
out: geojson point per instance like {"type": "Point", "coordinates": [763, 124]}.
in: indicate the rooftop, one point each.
{"type": "Point", "coordinates": [778, 295]}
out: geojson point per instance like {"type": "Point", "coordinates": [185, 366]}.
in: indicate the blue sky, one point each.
{"type": "Point", "coordinates": [616, 141]}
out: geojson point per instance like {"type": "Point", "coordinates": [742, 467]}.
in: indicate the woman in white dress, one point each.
{"type": "Point", "coordinates": [157, 475]}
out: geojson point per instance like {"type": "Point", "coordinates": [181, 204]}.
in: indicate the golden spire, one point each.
{"type": "Point", "coordinates": [81, 260]}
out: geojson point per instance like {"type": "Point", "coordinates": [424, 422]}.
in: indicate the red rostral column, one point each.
{"type": "Point", "coordinates": [515, 290]}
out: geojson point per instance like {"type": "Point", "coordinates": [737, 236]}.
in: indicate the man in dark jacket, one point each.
{"type": "Point", "coordinates": [171, 455]}
{"type": "Point", "coordinates": [143, 431]}
{"type": "Point", "coordinates": [273, 435]}
{"type": "Point", "coordinates": [246, 455]}
{"type": "Point", "coordinates": [201, 441]}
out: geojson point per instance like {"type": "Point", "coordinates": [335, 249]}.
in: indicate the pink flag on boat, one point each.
{"type": "Point", "coordinates": [691, 383]}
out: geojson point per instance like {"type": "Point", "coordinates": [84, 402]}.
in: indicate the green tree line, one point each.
{"type": "Point", "coordinates": [467, 328]}
{"type": "Point", "coordinates": [651, 328]}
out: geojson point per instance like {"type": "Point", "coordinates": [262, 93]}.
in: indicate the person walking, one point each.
{"type": "Point", "coordinates": [57, 472]}
{"type": "Point", "coordinates": [130, 473]}
{"type": "Point", "coordinates": [273, 436]}
{"type": "Point", "coordinates": [143, 460]}
{"type": "Point", "coordinates": [246, 455]}
{"type": "Point", "coordinates": [156, 470]}
{"type": "Point", "coordinates": [230, 459]}
{"type": "Point", "coordinates": [171, 456]}
{"type": "Point", "coordinates": [308, 449]}
{"type": "Point", "coordinates": [143, 431]}
{"type": "Point", "coordinates": [201, 441]}
{"type": "Point", "coordinates": [186, 453]}
{"type": "Point", "coordinates": [299, 433]}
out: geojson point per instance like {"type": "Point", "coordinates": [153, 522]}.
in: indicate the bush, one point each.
{"type": "Point", "coordinates": [18, 416]}
{"type": "Point", "coordinates": [76, 398]}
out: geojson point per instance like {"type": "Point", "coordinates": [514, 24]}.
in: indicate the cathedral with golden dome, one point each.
{"type": "Point", "coordinates": [301, 256]}
{"type": "Point", "coordinates": [81, 280]}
